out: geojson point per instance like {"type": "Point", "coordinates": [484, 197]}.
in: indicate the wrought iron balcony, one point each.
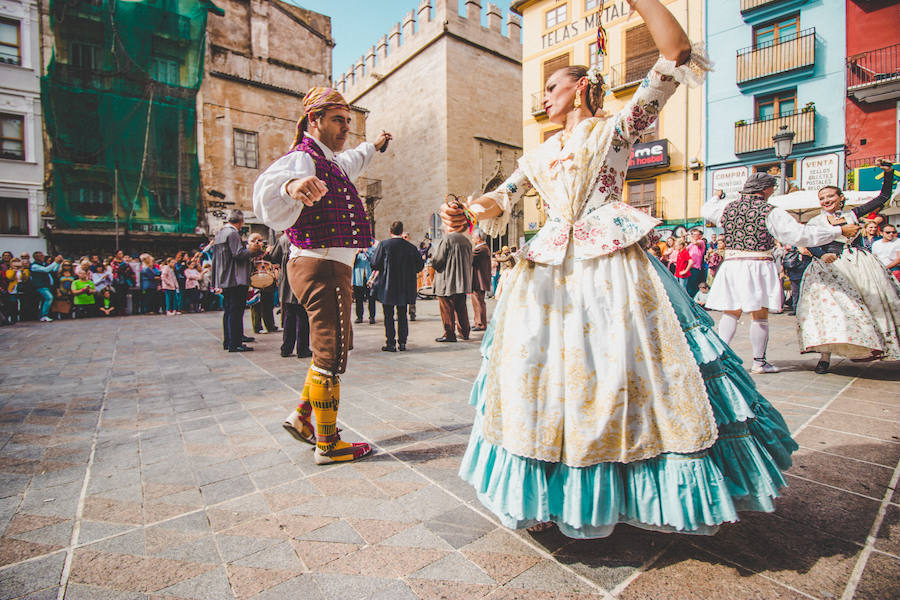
{"type": "Point", "coordinates": [870, 161]}
{"type": "Point", "coordinates": [747, 5]}
{"type": "Point", "coordinates": [773, 58]}
{"type": "Point", "coordinates": [754, 136]}
{"type": "Point", "coordinates": [537, 105]}
{"type": "Point", "coordinates": [630, 72]}
{"type": "Point", "coordinates": [874, 76]}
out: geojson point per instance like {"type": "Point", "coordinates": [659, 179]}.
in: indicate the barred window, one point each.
{"type": "Point", "coordinates": [10, 42]}
{"type": "Point", "coordinates": [594, 58]}
{"type": "Point", "coordinates": [245, 149]}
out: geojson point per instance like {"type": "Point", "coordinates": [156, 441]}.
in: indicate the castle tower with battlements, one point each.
{"type": "Point", "coordinates": [450, 91]}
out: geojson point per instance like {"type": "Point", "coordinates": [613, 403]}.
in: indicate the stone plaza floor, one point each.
{"type": "Point", "coordinates": [140, 461]}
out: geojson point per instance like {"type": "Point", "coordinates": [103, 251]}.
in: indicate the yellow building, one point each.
{"type": "Point", "coordinates": [666, 173]}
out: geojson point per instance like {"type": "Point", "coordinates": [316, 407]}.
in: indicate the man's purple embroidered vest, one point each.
{"type": "Point", "coordinates": [338, 220]}
{"type": "Point", "coordinates": [744, 222]}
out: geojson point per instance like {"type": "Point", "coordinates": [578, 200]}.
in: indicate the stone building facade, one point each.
{"type": "Point", "coordinates": [449, 89]}
{"type": "Point", "coordinates": [261, 58]}
{"type": "Point", "coordinates": [22, 151]}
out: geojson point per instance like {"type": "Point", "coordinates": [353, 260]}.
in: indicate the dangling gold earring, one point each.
{"type": "Point", "coordinates": [577, 103]}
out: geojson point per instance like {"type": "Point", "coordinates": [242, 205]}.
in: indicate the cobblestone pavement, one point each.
{"type": "Point", "coordinates": [140, 461]}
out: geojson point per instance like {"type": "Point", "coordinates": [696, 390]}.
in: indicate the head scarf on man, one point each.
{"type": "Point", "coordinates": [757, 183]}
{"type": "Point", "coordinates": [317, 100]}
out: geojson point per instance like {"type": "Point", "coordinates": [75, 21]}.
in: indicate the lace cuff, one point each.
{"type": "Point", "coordinates": [693, 72]}
{"type": "Point", "coordinates": [496, 226]}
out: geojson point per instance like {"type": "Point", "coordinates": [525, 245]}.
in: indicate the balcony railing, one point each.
{"type": "Point", "coordinates": [870, 161]}
{"type": "Point", "coordinates": [875, 75]}
{"type": "Point", "coordinates": [751, 4]}
{"type": "Point", "coordinates": [630, 72]}
{"type": "Point", "coordinates": [769, 59]}
{"type": "Point", "coordinates": [537, 105]}
{"type": "Point", "coordinates": [754, 136]}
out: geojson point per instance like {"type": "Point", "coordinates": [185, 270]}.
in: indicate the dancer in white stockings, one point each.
{"type": "Point", "coordinates": [747, 280]}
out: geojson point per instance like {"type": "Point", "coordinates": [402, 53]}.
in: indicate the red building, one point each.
{"type": "Point", "coordinates": [873, 81]}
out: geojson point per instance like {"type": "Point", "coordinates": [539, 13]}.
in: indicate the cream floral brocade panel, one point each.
{"type": "Point", "coordinates": [589, 365]}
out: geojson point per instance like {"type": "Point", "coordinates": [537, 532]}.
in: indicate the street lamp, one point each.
{"type": "Point", "coordinates": [784, 144]}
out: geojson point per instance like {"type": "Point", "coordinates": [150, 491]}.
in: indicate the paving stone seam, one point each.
{"type": "Point", "coordinates": [79, 512]}
{"type": "Point", "coordinates": [824, 408]}
{"type": "Point", "coordinates": [842, 412]}
{"type": "Point", "coordinates": [730, 561]}
{"type": "Point", "coordinates": [641, 569]}
{"type": "Point", "coordinates": [860, 566]}
{"type": "Point", "coordinates": [842, 456]}
{"type": "Point", "coordinates": [859, 435]}
{"type": "Point", "coordinates": [836, 488]}
{"type": "Point", "coordinates": [478, 509]}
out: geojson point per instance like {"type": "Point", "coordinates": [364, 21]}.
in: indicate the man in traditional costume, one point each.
{"type": "Point", "coordinates": [309, 194]}
{"type": "Point", "coordinates": [747, 280]}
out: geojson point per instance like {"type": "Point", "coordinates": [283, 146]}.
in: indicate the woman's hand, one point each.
{"type": "Point", "coordinates": [308, 190]}
{"type": "Point", "coordinates": [829, 258]}
{"type": "Point", "coordinates": [885, 165]}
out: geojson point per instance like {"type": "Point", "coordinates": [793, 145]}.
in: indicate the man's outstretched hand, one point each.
{"type": "Point", "coordinates": [308, 190]}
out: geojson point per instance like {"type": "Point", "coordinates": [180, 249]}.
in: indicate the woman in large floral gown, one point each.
{"type": "Point", "coordinates": [605, 395]}
{"type": "Point", "coordinates": [849, 303]}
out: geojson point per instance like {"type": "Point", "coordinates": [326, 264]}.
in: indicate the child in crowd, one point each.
{"type": "Point", "coordinates": [192, 286]}
{"type": "Point", "coordinates": [106, 306]}
{"type": "Point", "coordinates": [702, 294]}
{"type": "Point", "coordinates": [169, 283]}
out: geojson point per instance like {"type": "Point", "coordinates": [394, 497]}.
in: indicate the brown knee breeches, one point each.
{"type": "Point", "coordinates": [323, 288]}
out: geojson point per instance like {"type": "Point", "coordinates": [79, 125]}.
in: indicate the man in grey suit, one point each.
{"type": "Point", "coordinates": [452, 262]}
{"type": "Point", "coordinates": [231, 273]}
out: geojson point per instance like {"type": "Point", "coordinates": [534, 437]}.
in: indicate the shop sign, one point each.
{"type": "Point", "coordinates": [585, 24]}
{"type": "Point", "coordinates": [649, 154]}
{"type": "Point", "coordinates": [731, 181]}
{"type": "Point", "coordinates": [818, 171]}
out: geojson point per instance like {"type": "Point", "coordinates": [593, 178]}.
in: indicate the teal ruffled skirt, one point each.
{"type": "Point", "coordinates": [686, 493]}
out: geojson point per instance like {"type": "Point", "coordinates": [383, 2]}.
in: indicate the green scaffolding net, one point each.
{"type": "Point", "coordinates": [119, 102]}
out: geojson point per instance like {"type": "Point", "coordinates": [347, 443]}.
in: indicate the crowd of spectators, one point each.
{"type": "Point", "coordinates": [47, 288]}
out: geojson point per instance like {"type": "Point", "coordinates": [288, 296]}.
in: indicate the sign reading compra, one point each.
{"type": "Point", "coordinates": [649, 154]}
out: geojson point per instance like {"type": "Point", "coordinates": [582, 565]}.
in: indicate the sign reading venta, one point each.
{"type": "Point", "coordinates": [819, 171]}
{"type": "Point", "coordinates": [649, 154]}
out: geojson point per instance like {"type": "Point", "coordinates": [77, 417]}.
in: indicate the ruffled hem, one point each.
{"type": "Point", "coordinates": [687, 493]}
{"type": "Point", "coordinates": [693, 72]}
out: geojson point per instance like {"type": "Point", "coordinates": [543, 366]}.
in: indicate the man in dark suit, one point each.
{"type": "Point", "coordinates": [397, 261]}
{"type": "Point", "coordinates": [481, 279]}
{"type": "Point", "coordinates": [231, 273]}
{"type": "Point", "coordinates": [294, 322]}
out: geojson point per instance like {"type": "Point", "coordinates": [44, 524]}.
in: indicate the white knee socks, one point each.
{"type": "Point", "coordinates": [759, 339]}
{"type": "Point", "coordinates": [727, 327]}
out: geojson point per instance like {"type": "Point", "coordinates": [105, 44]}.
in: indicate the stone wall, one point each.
{"type": "Point", "coordinates": [262, 57]}
{"type": "Point", "coordinates": [449, 90]}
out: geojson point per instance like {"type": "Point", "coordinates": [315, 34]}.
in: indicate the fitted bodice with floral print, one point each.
{"type": "Point", "coordinates": [580, 179]}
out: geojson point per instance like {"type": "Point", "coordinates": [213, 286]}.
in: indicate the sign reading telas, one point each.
{"type": "Point", "coordinates": [588, 23]}
{"type": "Point", "coordinates": [649, 154]}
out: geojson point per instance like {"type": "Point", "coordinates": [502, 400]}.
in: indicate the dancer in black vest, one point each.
{"type": "Point", "coordinates": [747, 280]}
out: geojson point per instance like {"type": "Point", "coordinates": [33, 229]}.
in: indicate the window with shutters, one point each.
{"type": "Point", "coordinates": [555, 16]}
{"type": "Point", "coordinates": [642, 195]}
{"type": "Point", "coordinates": [549, 133]}
{"type": "Point", "coordinates": [595, 59]}
{"type": "Point", "coordinates": [640, 53]}
{"type": "Point", "coordinates": [780, 104]}
{"type": "Point", "coordinates": [245, 146]}
{"type": "Point", "coordinates": [554, 64]}
{"type": "Point", "coordinates": [86, 56]}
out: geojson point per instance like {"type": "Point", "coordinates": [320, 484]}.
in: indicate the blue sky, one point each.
{"type": "Point", "coordinates": [357, 24]}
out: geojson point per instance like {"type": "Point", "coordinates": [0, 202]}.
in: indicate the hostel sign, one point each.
{"type": "Point", "coordinates": [649, 154]}
{"type": "Point", "coordinates": [585, 24]}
